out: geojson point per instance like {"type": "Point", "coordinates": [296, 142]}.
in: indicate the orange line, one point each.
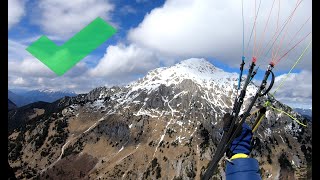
{"type": "Point", "coordinates": [274, 35]}
{"type": "Point", "coordinates": [281, 41]}
{"type": "Point", "coordinates": [264, 30]}
{"type": "Point", "coordinates": [292, 48]}
{"type": "Point", "coordinates": [255, 13]}
{"type": "Point", "coordinates": [299, 31]}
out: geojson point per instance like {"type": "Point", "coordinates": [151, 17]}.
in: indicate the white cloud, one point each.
{"type": "Point", "coordinates": [22, 62]}
{"type": "Point", "coordinates": [32, 74]}
{"type": "Point", "coordinates": [30, 67]}
{"type": "Point", "coordinates": [123, 61]}
{"type": "Point", "coordinates": [64, 18]}
{"type": "Point", "coordinates": [32, 39]}
{"type": "Point", "coordinates": [16, 50]}
{"type": "Point", "coordinates": [27, 72]}
{"type": "Point", "coordinates": [120, 65]}
{"type": "Point", "coordinates": [296, 90]}
{"type": "Point", "coordinates": [212, 28]}
{"type": "Point", "coordinates": [16, 10]}
{"type": "Point", "coordinates": [19, 81]}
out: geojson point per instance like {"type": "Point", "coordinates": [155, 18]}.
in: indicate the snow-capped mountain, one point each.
{"type": "Point", "coordinates": [163, 126]}
{"type": "Point", "coordinates": [47, 95]}
{"type": "Point", "coordinates": [26, 97]}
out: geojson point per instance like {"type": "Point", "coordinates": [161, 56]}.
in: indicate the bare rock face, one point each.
{"type": "Point", "coordinates": [166, 125]}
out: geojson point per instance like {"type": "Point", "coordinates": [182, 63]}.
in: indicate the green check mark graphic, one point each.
{"type": "Point", "coordinates": [60, 59]}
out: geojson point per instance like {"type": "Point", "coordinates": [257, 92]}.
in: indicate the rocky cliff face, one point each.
{"type": "Point", "coordinates": [164, 126]}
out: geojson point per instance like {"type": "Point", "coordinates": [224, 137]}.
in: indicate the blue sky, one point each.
{"type": "Point", "coordinates": [155, 33]}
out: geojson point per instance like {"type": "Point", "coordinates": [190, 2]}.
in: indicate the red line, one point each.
{"type": "Point", "coordinates": [277, 61]}
{"type": "Point", "coordinates": [255, 18]}
{"type": "Point", "coordinates": [281, 41]}
{"type": "Point", "coordinates": [299, 30]}
{"type": "Point", "coordinates": [264, 30]}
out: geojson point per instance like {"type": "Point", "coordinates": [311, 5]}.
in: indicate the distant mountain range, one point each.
{"type": "Point", "coordinates": [17, 99]}
{"type": "Point", "coordinates": [307, 113]}
{"type": "Point", "coordinates": [11, 105]}
{"type": "Point", "coordinates": [22, 97]}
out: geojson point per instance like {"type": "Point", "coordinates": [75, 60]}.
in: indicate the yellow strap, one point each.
{"type": "Point", "coordinates": [256, 127]}
{"type": "Point", "coordinates": [239, 155]}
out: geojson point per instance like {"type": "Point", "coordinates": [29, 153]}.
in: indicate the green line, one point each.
{"type": "Point", "coordinates": [268, 103]}
{"type": "Point", "coordinates": [289, 116]}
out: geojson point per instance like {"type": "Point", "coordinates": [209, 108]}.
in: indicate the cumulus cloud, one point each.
{"type": "Point", "coordinates": [296, 90]}
{"type": "Point", "coordinates": [80, 84]}
{"type": "Point", "coordinates": [30, 67]}
{"type": "Point", "coordinates": [120, 65]}
{"type": "Point", "coordinates": [122, 61]}
{"type": "Point", "coordinates": [19, 81]}
{"type": "Point", "coordinates": [22, 62]}
{"type": "Point", "coordinates": [42, 78]}
{"type": "Point", "coordinates": [16, 10]}
{"type": "Point", "coordinates": [64, 18]}
{"type": "Point", "coordinates": [32, 74]}
{"type": "Point", "coordinates": [25, 71]}
{"type": "Point", "coordinates": [212, 28]}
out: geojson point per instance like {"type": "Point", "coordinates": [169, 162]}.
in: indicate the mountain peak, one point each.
{"type": "Point", "coordinates": [199, 64]}
{"type": "Point", "coordinates": [199, 71]}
